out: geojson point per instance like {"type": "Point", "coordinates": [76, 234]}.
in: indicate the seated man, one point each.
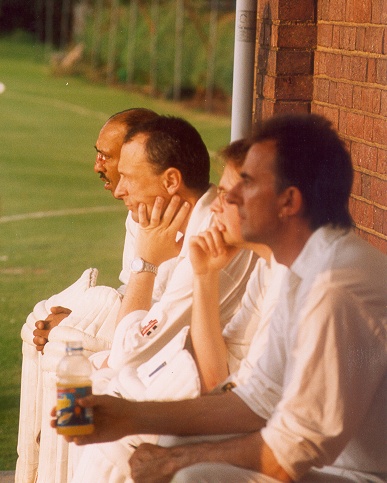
{"type": "Point", "coordinates": [164, 168]}
{"type": "Point", "coordinates": [314, 405]}
{"type": "Point", "coordinates": [108, 462]}
{"type": "Point", "coordinates": [93, 322]}
{"type": "Point", "coordinates": [230, 353]}
{"type": "Point", "coordinates": [165, 159]}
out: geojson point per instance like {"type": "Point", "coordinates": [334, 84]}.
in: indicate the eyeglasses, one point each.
{"type": "Point", "coordinates": [101, 157]}
{"type": "Point", "coordinates": [222, 193]}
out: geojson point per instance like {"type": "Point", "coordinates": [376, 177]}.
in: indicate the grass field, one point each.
{"type": "Point", "coordinates": [48, 129]}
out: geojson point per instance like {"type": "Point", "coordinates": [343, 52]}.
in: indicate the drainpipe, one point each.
{"type": "Point", "coordinates": [243, 75]}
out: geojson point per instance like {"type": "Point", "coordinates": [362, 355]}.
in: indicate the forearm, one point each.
{"type": "Point", "coordinates": [220, 414]}
{"type": "Point", "coordinates": [248, 451]}
{"type": "Point", "coordinates": [210, 350]}
{"type": "Point", "coordinates": [138, 294]}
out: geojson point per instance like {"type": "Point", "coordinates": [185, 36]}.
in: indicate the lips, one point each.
{"type": "Point", "coordinates": [107, 185]}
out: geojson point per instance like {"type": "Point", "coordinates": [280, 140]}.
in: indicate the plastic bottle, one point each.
{"type": "Point", "coordinates": [73, 382]}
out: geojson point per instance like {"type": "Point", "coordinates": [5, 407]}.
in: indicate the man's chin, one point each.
{"type": "Point", "coordinates": [134, 216]}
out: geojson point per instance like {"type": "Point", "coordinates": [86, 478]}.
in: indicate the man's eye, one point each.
{"type": "Point", "coordinates": [101, 157]}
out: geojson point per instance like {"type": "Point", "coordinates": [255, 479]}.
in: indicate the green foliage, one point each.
{"type": "Point", "coordinates": [194, 44]}
{"type": "Point", "coordinates": [49, 128]}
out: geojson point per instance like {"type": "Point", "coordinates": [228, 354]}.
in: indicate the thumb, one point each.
{"type": "Point", "coordinates": [88, 401]}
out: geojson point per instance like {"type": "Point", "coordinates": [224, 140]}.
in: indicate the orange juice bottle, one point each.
{"type": "Point", "coordinates": [73, 382]}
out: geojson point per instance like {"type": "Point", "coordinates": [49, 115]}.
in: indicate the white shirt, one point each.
{"type": "Point", "coordinates": [246, 334]}
{"type": "Point", "coordinates": [321, 382]}
{"type": "Point", "coordinates": [141, 334]}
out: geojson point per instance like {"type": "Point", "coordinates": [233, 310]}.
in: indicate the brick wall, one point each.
{"type": "Point", "coordinates": [286, 37]}
{"type": "Point", "coordinates": [350, 78]}
{"type": "Point", "coordinates": [329, 57]}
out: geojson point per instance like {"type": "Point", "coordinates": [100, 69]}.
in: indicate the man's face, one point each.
{"type": "Point", "coordinates": [108, 147]}
{"type": "Point", "coordinates": [226, 216]}
{"type": "Point", "coordinates": [138, 181]}
{"type": "Point", "coordinates": [256, 197]}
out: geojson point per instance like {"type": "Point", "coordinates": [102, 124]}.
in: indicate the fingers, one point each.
{"type": "Point", "coordinates": [211, 242]}
{"type": "Point", "coordinates": [60, 310]}
{"type": "Point", "coordinates": [40, 336]}
{"type": "Point", "coordinates": [174, 215]}
{"type": "Point", "coordinates": [143, 220]}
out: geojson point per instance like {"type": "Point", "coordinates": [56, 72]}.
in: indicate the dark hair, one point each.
{"type": "Point", "coordinates": [235, 152]}
{"type": "Point", "coordinates": [174, 142]}
{"type": "Point", "coordinates": [312, 157]}
{"type": "Point", "coordinates": [133, 116]}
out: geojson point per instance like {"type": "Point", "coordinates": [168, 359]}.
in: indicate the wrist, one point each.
{"type": "Point", "coordinates": [139, 265]}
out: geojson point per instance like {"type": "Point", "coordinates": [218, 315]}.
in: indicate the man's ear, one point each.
{"type": "Point", "coordinates": [172, 180]}
{"type": "Point", "coordinates": [291, 202]}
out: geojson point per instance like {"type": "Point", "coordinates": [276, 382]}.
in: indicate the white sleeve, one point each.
{"type": "Point", "coordinates": [141, 334]}
{"type": "Point", "coordinates": [239, 332]}
{"type": "Point", "coordinates": [337, 364]}
{"type": "Point", "coordinates": [128, 255]}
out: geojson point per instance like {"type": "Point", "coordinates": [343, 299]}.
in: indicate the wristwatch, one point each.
{"type": "Point", "coordinates": [138, 265]}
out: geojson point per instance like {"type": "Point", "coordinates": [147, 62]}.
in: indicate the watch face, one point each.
{"type": "Point", "coordinates": [137, 265]}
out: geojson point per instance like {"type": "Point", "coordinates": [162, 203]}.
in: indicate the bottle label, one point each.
{"type": "Point", "coordinates": [69, 413]}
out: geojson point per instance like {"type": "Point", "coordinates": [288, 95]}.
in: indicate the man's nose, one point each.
{"type": "Point", "coordinates": [99, 165]}
{"type": "Point", "coordinates": [216, 205]}
{"type": "Point", "coordinates": [118, 192]}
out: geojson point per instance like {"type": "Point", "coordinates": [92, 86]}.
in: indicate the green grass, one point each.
{"type": "Point", "coordinates": [48, 129]}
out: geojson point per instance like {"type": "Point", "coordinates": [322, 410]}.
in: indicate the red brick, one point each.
{"type": "Point", "coordinates": [378, 191]}
{"type": "Point", "coordinates": [294, 88]}
{"type": "Point", "coordinates": [347, 38]}
{"type": "Point", "coordinates": [374, 40]}
{"type": "Point", "coordinates": [336, 10]}
{"type": "Point", "coordinates": [371, 70]}
{"type": "Point", "coordinates": [380, 219]}
{"type": "Point", "coordinates": [333, 92]}
{"type": "Point", "coordinates": [296, 36]}
{"type": "Point", "coordinates": [358, 11]}
{"type": "Point", "coordinates": [356, 187]}
{"type": "Point", "coordinates": [364, 156]}
{"type": "Point", "coordinates": [381, 71]}
{"type": "Point", "coordinates": [333, 65]}
{"type": "Point", "coordinates": [363, 214]}
{"type": "Point", "coordinates": [293, 107]}
{"type": "Point", "coordinates": [344, 94]}
{"type": "Point", "coordinates": [269, 87]}
{"type": "Point", "coordinates": [336, 37]}
{"type": "Point", "coordinates": [382, 161]}
{"type": "Point", "coordinates": [345, 71]}
{"type": "Point", "coordinates": [380, 131]}
{"type": "Point", "coordinates": [360, 37]}
{"type": "Point", "coordinates": [366, 99]}
{"type": "Point", "coordinates": [324, 35]}
{"type": "Point", "coordinates": [321, 90]}
{"type": "Point", "coordinates": [267, 108]}
{"type": "Point", "coordinates": [329, 112]}
{"type": "Point", "coordinates": [301, 10]}
{"type": "Point", "coordinates": [358, 69]}
{"type": "Point", "coordinates": [322, 9]}
{"type": "Point", "coordinates": [267, 61]}
{"type": "Point", "coordinates": [366, 186]}
{"type": "Point", "coordinates": [320, 63]}
{"type": "Point", "coordinates": [368, 128]}
{"type": "Point", "coordinates": [379, 12]}
{"type": "Point", "coordinates": [293, 62]}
